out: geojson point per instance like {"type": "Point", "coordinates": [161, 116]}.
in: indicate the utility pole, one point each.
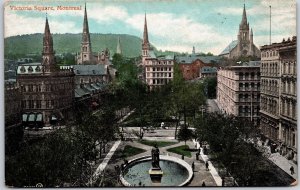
{"type": "Point", "coordinates": [270, 25]}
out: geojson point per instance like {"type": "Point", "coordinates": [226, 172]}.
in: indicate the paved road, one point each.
{"type": "Point", "coordinates": [212, 106]}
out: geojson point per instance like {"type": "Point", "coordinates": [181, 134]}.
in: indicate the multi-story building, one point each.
{"type": "Point", "coordinates": [13, 108]}
{"type": "Point", "coordinates": [157, 71]}
{"type": "Point", "coordinates": [192, 65]}
{"type": "Point", "coordinates": [278, 95]}
{"type": "Point", "coordinates": [238, 90]}
{"type": "Point", "coordinates": [47, 92]}
{"type": "Point", "coordinates": [244, 45]}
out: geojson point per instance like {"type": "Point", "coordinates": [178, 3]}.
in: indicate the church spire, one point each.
{"type": "Point", "coordinates": [145, 37]}
{"type": "Point", "coordinates": [86, 46]}
{"type": "Point", "coordinates": [119, 50]}
{"type": "Point", "coordinates": [48, 52]}
{"type": "Point", "coordinates": [244, 19]}
{"type": "Point", "coordinates": [85, 33]}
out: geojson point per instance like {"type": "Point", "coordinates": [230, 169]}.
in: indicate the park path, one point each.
{"type": "Point", "coordinates": [104, 163]}
{"type": "Point", "coordinates": [212, 169]}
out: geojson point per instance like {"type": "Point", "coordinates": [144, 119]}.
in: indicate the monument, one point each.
{"type": "Point", "coordinates": [155, 171]}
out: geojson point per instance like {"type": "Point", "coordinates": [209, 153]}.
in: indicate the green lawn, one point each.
{"type": "Point", "coordinates": [131, 151]}
{"type": "Point", "coordinates": [181, 150]}
{"type": "Point", "coordinates": [159, 143]}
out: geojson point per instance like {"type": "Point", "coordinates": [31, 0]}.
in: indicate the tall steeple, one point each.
{"type": "Point", "coordinates": [145, 45]}
{"type": "Point", "coordinates": [119, 50]}
{"type": "Point", "coordinates": [145, 36]}
{"type": "Point", "coordinates": [244, 23]}
{"type": "Point", "coordinates": [86, 46]}
{"type": "Point", "coordinates": [48, 53]}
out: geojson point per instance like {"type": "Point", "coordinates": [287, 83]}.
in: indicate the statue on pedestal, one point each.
{"type": "Point", "coordinates": [155, 157]}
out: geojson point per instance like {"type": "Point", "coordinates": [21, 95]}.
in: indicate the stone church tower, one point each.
{"type": "Point", "coordinates": [244, 45]}
{"type": "Point", "coordinates": [48, 54]}
{"type": "Point", "coordinates": [245, 37]}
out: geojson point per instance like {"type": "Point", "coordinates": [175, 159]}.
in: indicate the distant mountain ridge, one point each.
{"type": "Point", "coordinates": [71, 43]}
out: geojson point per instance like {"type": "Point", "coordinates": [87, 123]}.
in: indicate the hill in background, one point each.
{"type": "Point", "coordinates": [17, 46]}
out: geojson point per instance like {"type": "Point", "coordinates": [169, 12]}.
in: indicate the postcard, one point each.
{"type": "Point", "coordinates": [157, 93]}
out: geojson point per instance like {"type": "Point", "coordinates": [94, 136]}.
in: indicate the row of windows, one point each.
{"type": "Point", "coordinates": [247, 97]}
{"type": "Point", "coordinates": [160, 81]}
{"type": "Point", "coordinates": [82, 80]}
{"type": "Point", "coordinates": [289, 68]}
{"type": "Point", "coordinates": [269, 105]}
{"type": "Point", "coordinates": [289, 87]}
{"type": "Point", "coordinates": [159, 69]}
{"type": "Point", "coordinates": [159, 62]}
{"type": "Point", "coordinates": [270, 87]}
{"type": "Point", "coordinates": [270, 69]}
{"type": "Point", "coordinates": [37, 104]}
{"type": "Point", "coordinates": [269, 53]}
{"type": "Point", "coordinates": [159, 75]}
{"type": "Point", "coordinates": [47, 88]}
{"type": "Point", "coordinates": [288, 108]}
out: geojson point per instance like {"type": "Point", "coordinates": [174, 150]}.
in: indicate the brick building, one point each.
{"type": "Point", "coordinates": [192, 65]}
{"type": "Point", "coordinates": [47, 92]}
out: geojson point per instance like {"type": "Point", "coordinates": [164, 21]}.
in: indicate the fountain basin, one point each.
{"type": "Point", "coordinates": [176, 172]}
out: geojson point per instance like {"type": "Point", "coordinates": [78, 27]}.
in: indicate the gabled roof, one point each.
{"type": "Point", "coordinates": [227, 50]}
{"type": "Point", "coordinates": [188, 59]}
{"type": "Point", "coordinates": [89, 69]}
{"type": "Point", "coordinates": [208, 70]}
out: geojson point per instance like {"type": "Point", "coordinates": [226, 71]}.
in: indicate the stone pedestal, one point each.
{"type": "Point", "coordinates": [155, 175]}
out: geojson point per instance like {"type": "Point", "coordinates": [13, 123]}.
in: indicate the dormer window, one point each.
{"type": "Point", "coordinates": [37, 69]}
{"type": "Point", "coordinates": [22, 69]}
{"type": "Point", "coordinates": [30, 69]}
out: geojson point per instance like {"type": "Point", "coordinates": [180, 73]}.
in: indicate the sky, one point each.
{"type": "Point", "coordinates": [175, 25]}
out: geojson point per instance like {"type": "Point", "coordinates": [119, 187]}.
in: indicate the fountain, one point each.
{"type": "Point", "coordinates": [156, 170]}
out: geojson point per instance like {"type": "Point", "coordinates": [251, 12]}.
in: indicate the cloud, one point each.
{"type": "Point", "coordinates": [18, 25]}
{"type": "Point", "coordinates": [283, 15]}
{"type": "Point", "coordinates": [107, 13]}
{"type": "Point", "coordinates": [178, 32]}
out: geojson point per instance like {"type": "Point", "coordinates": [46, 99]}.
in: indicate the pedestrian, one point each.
{"type": "Point", "coordinates": [203, 184]}
{"type": "Point", "coordinates": [182, 157]}
{"type": "Point", "coordinates": [193, 166]}
{"type": "Point", "coordinates": [206, 165]}
{"type": "Point", "coordinates": [197, 156]}
{"type": "Point", "coordinates": [292, 170]}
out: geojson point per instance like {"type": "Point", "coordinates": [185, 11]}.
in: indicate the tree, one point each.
{"type": "Point", "coordinates": [185, 134]}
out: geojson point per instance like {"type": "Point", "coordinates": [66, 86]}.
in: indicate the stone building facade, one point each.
{"type": "Point", "coordinates": [244, 45]}
{"type": "Point", "coordinates": [279, 95]}
{"type": "Point", "coordinates": [238, 91]}
{"type": "Point", "coordinates": [157, 71]}
{"type": "Point", "coordinates": [47, 92]}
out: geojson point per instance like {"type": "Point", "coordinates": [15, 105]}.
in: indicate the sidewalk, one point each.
{"type": "Point", "coordinates": [284, 164]}
{"type": "Point", "coordinates": [104, 163]}
{"type": "Point", "coordinates": [212, 169]}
